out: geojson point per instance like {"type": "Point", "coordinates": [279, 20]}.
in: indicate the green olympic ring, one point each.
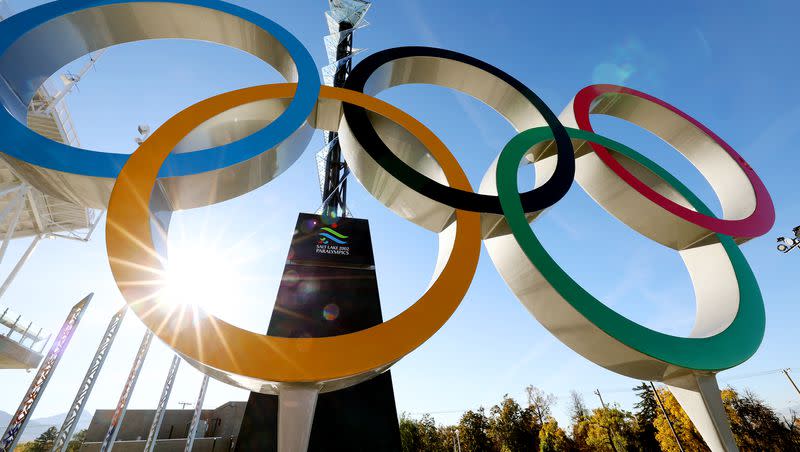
{"type": "Point", "coordinates": [725, 349]}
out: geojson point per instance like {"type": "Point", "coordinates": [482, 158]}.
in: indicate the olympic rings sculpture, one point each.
{"type": "Point", "coordinates": [405, 166]}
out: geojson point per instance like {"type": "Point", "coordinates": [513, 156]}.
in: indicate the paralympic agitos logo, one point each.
{"type": "Point", "coordinates": [330, 235]}
{"type": "Point", "coordinates": [331, 241]}
{"type": "Point", "coordinates": [564, 148]}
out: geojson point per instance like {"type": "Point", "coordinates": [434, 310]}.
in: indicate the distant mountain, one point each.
{"type": "Point", "coordinates": [4, 419]}
{"type": "Point", "coordinates": [58, 419]}
{"type": "Point", "coordinates": [39, 425]}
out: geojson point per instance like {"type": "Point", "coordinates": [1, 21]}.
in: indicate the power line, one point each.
{"type": "Point", "coordinates": [755, 374]}
{"type": "Point", "coordinates": [620, 390]}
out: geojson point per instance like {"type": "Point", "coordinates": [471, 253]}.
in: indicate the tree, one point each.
{"type": "Point", "coordinates": [579, 415]}
{"type": "Point", "coordinates": [410, 439]}
{"type": "Point", "coordinates": [473, 430]}
{"type": "Point", "coordinates": [689, 436]}
{"type": "Point", "coordinates": [577, 410]}
{"type": "Point", "coordinates": [647, 410]}
{"type": "Point", "coordinates": [447, 437]}
{"type": "Point", "coordinates": [755, 425]}
{"type": "Point", "coordinates": [552, 438]}
{"type": "Point", "coordinates": [541, 405]}
{"type": "Point", "coordinates": [422, 435]}
{"type": "Point", "coordinates": [793, 424]}
{"type": "Point", "coordinates": [44, 442]}
{"type": "Point", "coordinates": [611, 429]}
{"type": "Point", "coordinates": [511, 427]}
{"type": "Point", "coordinates": [77, 441]}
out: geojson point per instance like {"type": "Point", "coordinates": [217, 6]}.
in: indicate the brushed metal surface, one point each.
{"type": "Point", "coordinates": [62, 40]}
{"type": "Point", "coordinates": [729, 182]}
{"type": "Point", "coordinates": [448, 73]}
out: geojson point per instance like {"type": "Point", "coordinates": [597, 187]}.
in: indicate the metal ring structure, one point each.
{"type": "Point", "coordinates": [386, 171]}
{"type": "Point", "coordinates": [730, 311]}
{"type": "Point", "coordinates": [207, 342]}
{"type": "Point", "coordinates": [59, 32]}
{"type": "Point", "coordinates": [650, 206]}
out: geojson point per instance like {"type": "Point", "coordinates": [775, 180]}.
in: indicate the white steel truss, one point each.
{"type": "Point", "coordinates": [76, 409]}
{"type": "Point", "coordinates": [198, 409]}
{"type": "Point", "coordinates": [152, 436]}
{"type": "Point", "coordinates": [125, 397]}
{"type": "Point", "coordinates": [37, 387]}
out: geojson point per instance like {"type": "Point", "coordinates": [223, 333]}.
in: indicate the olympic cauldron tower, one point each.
{"type": "Point", "coordinates": [329, 288]}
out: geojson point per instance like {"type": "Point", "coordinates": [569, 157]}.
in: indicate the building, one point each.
{"type": "Point", "coordinates": [216, 432]}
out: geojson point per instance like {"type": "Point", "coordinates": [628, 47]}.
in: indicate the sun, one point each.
{"type": "Point", "coordinates": [200, 276]}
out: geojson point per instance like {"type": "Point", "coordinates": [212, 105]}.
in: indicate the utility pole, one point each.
{"type": "Point", "coordinates": [666, 416]}
{"type": "Point", "coordinates": [608, 429]}
{"type": "Point", "coordinates": [786, 372]}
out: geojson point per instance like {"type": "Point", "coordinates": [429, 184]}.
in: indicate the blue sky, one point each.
{"type": "Point", "coordinates": [725, 63]}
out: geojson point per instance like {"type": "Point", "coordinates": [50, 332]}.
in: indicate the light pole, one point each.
{"type": "Point", "coordinates": [144, 132]}
{"type": "Point", "coordinates": [786, 244]}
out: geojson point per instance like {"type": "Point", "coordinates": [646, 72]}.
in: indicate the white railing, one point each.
{"type": "Point", "coordinates": [13, 326]}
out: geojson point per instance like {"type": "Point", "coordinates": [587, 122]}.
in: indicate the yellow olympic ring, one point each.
{"type": "Point", "coordinates": [339, 360]}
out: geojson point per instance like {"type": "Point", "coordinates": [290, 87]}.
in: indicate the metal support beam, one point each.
{"type": "Point", "coordinates": [19, 205]}
{"type": "Point", "coordinates": [9, 188]}
{"type": "Point", "coordinates": [20, 264]}
{"type": "Point", "coordinates": [37, 218]}
{"type": "Point", "coordinates": [666, 416]}
{"type": "Point", "coordinates": [76, 409]}
{"type": "Point", "coordinates": [198, 409]}
{"type": "Point", "coordinates": [296, 406]}
{"type": "Point", "coordinates": [125, 397]}
{"type": "Point", "coordinates": [93, 226]}
{"type": "Point", "coordinates": [699, 396]}
{"type": "Point", "coordinates": [10, 206]}
{"type": "Point", "coordinates": [37, 387]}
{"type": "Point", "coordinates": [152, 437]}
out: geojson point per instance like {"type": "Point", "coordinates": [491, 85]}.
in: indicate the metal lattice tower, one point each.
{"type": "Point", "coordinates": [76, 409]}
{"type": "Point", "coordinates": [344, 18]}
{"type": "Point", "coordinates": [125, 397]}
{"type": "Point", "coordinates": [152, 436]}
{"type": "Point", "coordinates": [37, 387]}
{"type": "Point", "coordinates": [198, 409]}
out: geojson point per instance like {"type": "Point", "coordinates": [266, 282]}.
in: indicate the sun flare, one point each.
{"type": "Point", "coordinates": [200, 276]}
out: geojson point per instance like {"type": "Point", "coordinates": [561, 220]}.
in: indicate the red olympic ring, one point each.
{"type": "Point", "coordinates": [757, 223]}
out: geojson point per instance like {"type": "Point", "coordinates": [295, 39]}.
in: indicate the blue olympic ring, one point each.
{"type": "Point", "coordinates": [18, 84]}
